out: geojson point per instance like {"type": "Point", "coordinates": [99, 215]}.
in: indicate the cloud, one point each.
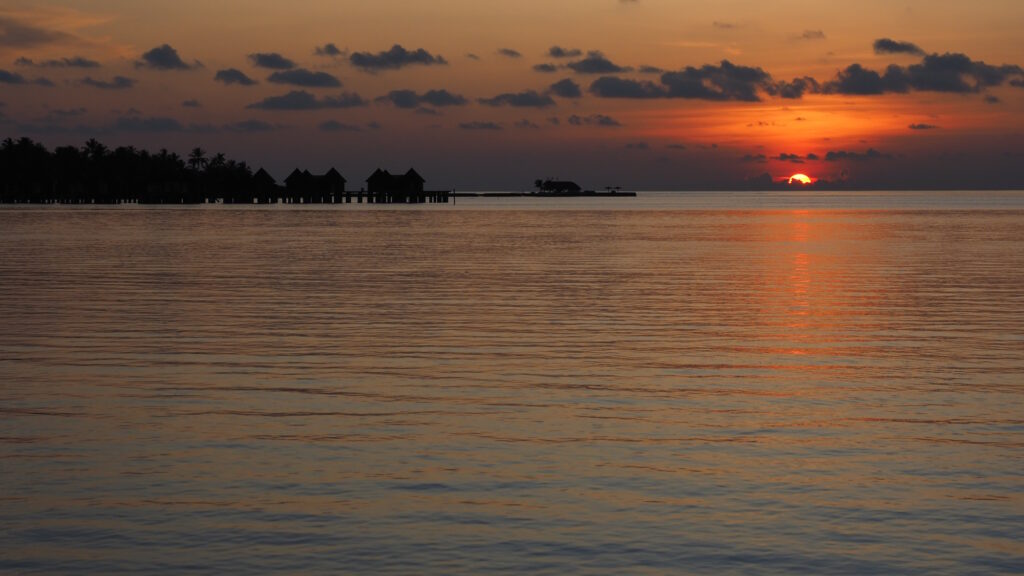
{"type": "Point", "coordinates": [724, 25]}
{"type": "Point", "coordinates": [54, 128]}
{"type": "Point", "coordinates": [812, 35]}
{"type": "Point", "coordinates": [62, 114]}
{"type": "Point", "coordinates": [870, 154]}
{"type": "Point", "coordinates": [958, 73]}
{"type": "Point", "coordinates": [593, 120]}
{"type": "Point", "coordinates": [15, 34]}
{"type": "Point", "coordinates": [509, 53]}
{"type": "Point", "coordinates": [131, 123]}
{"type": "Point", "coordinates": [950, 72]}
{"type": "Point", "coordinates": [525, 99]}
{"type": "Point", "coordinates": [115, 83]}
{"type": "Point", "coordinates": [409, 99]}
{"type": "Point", "coordinates": [795, 89]}
{"type": "Point", "coordinates": [759, 158]}
{"type": "Point", "coordinates": [566, 89]}
{"type": "Point", "coordinates": [302, 100]}
{"type": "Point", "coordinates": [147, 124]}
{"type": "Point", "coordinates": [472, 56]}
{"type": "Point", "coordinates": [637, 146]}
{"type": "Point", "coordinates": [233, 76]}
{"type": "Point", "coordinates": [726, 81]}
{"type": "Point", "coordinates": [395, 58]}
{"type": "Point", "coordinates": [480, 126]}
{"type": "Point", "coordinates": [889, 46]}
{"type": "Point", "coordinates": [990, 99]}
{"type": "Point", "coordinates": [922, 126]}
{"type": "Point", "coordinates": [271, 60]}
{"type": "Point", "coordinates": [857, 80]}
{"type": "Point", "coordinates": [328, 49]}
{"type": "Point", "coordinates": [794, 158]}
{"type": "Point", "coordinates": [164, 58]}
{"type": "Point", "coordinates": [524, 123]}
{"type": "Point", "coordinates": [250, 126]}
{"type": "Point", "coordinates": [304, 78]}
{"type": "Point", "coordinates": [676, 146]}
{"type": "Point", "coordinates": [71, 62]}
{"type": "Point", "coordinates": [650, 70]}
{"type": "Point", "coordinates": [442, 98]}
{"type": "Point", "coordinates": [559, 52]}
{"type": "Point", "coordinates": [615, 87]}
{"type": "Point", "coordinates": [7, 77]}
{"type": "Point", "coordinates": [335, 126]}
{"type": "Point", "coordinates": [191, 104]}
{"type": "Point", "coordinates": [596, 63]}
{"type": "Point", "coordinates": [813, 156]}
{"type": "Point", "coordinates": [424, 111]}
{"type": "Point", "coordinates": [545, 68]}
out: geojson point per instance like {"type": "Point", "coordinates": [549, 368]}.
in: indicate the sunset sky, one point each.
{"type": "Point", "coordinates": [477, 94]}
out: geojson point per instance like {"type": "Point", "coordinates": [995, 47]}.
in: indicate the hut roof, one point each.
{"type": "Point", "coordinates": [264, 176]}
{"type": "Point", "coordinates": [415, 175]}
{"type": "Point", "coordinates": [333, 174]}
{"type": "Point", "coordinates": [378, 173]}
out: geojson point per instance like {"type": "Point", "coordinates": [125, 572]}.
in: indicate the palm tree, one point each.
{"type": "Point", "coordinates": [94, 149]}
{"type": "Point", "coordinates": [217, 162]}
{"type": "Point", "coordinates": [197, 159]}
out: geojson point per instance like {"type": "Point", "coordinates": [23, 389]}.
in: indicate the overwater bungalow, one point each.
{"type": "Point", "coordinates": [303, 187]}
{"type": "Point", "coordinates": [383, 187]}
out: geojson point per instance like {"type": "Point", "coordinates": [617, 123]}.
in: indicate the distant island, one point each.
{"type": "Point", "coordinates": [96, 174]}
{"type": "Point", "coordinates": [550, 188]}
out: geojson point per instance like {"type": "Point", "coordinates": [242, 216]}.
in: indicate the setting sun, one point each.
{"type": "Point", "coordinates": [801, 178]}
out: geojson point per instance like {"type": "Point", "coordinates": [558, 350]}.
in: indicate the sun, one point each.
{"type": "Point", "coordinates": [801, 178]}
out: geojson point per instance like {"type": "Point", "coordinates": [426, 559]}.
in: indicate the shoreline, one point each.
{"type": "Point", "coordinates": [583, 194]}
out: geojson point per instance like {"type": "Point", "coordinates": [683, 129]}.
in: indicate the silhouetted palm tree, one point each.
{"type": "Point", "coordinates": [197, 159]}
{"type": "Point", "coordinates": [94, 150]}
{"type": "Point", "coordinates": [93, 173]}
{"type": "Point", "coordinates": [217, 162]}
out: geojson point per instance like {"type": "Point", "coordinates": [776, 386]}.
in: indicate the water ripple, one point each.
{"type": "Point", "coordinates": [582, 388]}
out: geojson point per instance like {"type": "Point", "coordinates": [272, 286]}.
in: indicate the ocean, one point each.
{"type": "Point", "coordinates": [701, 383]}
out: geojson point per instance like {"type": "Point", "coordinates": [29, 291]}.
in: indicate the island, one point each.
{"type": "Point", "coordinates": [549, 188]}
{"type": "Point", "coordinates": [96, 174]}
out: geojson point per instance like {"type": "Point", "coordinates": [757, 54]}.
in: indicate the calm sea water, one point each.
{"type": "Point", "coordinates": [696, 383]}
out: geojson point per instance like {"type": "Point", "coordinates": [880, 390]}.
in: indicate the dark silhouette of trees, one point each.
{"type": "Point", "coordinates": [556, 187]}
{"type": "Point", "coordinates": [197, 160]}
{"type": "Point", "coordinates": [95, 174]}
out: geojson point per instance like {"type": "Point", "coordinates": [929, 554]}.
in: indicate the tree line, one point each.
{"type": "Point", "coordinates": [96, 174]}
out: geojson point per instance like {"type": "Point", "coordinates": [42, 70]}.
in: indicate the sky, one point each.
{"type": "Point", "coordinates": [643, 94]}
